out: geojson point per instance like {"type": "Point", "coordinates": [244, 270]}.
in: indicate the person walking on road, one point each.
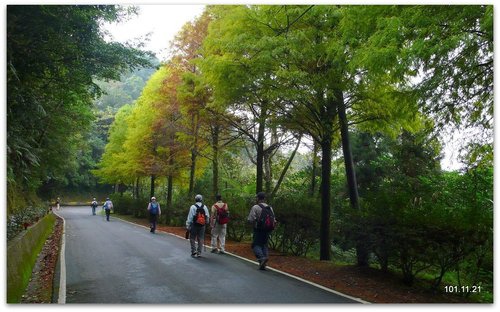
{"type": "Point", "coordinates": [219, 217]}
{"type": "Point", "coordinates": [94, 205]}
{"type": "Point", "coordinates": [58, 203]}
{"type": "Point", "coordinates": [262, 218]}
{"type": "Point", "coordinates": [108, 205]}
{"type": "Point", "coordinates": [154, 213]}
{"type": "Point", "coordinates": [196, 221]}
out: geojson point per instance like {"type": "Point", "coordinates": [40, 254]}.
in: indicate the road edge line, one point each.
{"type": "Point", "coordinates": [62, 264]}
{"type": "Point", "coordinates": [268, 267]}
{"type": "Point", "coordinates": [303, 280]}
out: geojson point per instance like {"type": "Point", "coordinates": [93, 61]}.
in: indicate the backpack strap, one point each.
{"type": "Point", "coordinates": [202, 207]}
{"type": "Point", "coordinates": [267, 206]}
{"type": "Point", "coordinates": [263, 206]}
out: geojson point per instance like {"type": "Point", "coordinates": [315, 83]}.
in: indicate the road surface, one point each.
{"type": "Point", "coordinates": [119, 262]}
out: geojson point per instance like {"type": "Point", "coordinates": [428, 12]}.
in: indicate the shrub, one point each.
{"type": "Point", "coordinates": [21, 219]}
{"type": "Point", "coordinates": [298, 224]}
{"type": "Point", "coordinates": [127, 205]}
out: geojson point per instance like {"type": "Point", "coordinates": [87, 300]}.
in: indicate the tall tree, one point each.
{"type": "Point", "coordinates": [111, 168]}
{"type": "Point", "coordinates": [243, 84]}
{"type": "Point", "coordinates": [192, 93]}
{"type": "Point", "coordinates": [312, 67]}
{"type": "Point", "coordinates": [50, 91]}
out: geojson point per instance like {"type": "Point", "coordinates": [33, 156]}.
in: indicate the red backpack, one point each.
{"type": "Point", "coordinates": [222, 214]}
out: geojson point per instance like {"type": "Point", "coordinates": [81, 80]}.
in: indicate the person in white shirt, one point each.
{"type": "Point", "coordinates": [196, 221]}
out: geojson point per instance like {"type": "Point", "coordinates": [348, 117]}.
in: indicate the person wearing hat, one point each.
{"type": "Point", "coordinates": [196, 221]}
{"type": "Point", "coordinates": [108, 205]}
{"type": "Point", "coordinates": [94, 205]}
{"type": "Point", "coordinates": [154, 212]}
{"type": "Point", "coordinates": [260, 235]}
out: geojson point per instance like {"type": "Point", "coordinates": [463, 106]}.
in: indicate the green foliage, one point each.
{"type": "Point", "coordinates": [125, 91]}
{"type": "Point", "coordinates": [453, 45]}
{"type": "Point", "coordinates": [110, 167]}
{"type": "Point", "coordinates": [412, 217]}
{"type": "Point", "coordinates": [298, 229]}
{"type": "Point", "coordinates": [256, 75]}
{"type": "Point", "coordinates": [53, 54]}
{"type": "Point", "coordinates": [127, 205]}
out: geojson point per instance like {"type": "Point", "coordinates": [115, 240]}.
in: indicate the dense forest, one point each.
{"type": "Point", "coordinates": [339, 113]}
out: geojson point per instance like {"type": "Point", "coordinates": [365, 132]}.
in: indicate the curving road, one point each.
{"type": "Point", "coordinates": [119, 262]}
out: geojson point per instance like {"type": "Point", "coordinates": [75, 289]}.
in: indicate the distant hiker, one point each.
{"type": "Point", "coordinates": [108, 205]}
{"type": "Point", "coordinates": [196, 220]}
{"type": "Point", "coordinates": [94, 205]}
{"type": "Point", "coordinates": [58, 203]}
{"type": "Point", "coordinates": [262, 217]}
{"type": "Point", "coordinates": [219, 217]}
{"type": "Point", "coordinates": [154, 213]}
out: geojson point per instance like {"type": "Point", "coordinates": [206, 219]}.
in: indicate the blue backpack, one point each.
{"type": "Point", "coordinates": [154, 208]}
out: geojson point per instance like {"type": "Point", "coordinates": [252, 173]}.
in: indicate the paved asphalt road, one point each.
{"type": "Point", "coordinates": [118, 262]}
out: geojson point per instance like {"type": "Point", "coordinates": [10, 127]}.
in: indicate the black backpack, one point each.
{"type": "Point", "coordinates": [200, 218]}
{"type": "Point", "coordinates": [266, 220]}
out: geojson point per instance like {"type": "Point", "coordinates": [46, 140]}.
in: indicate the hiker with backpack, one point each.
{"type": "Point", "coordinates": [196, 222]}
{"type": "Point", "coordinates": [94, 205]}
{"type": "Point", "coordinates": [219, 217]}
{"type": "Point", "coordinates": [108, 205]}
{"type": "Point", "coordinates": [154, 213]}
{"type": "Point", "coordinates": [262, 218]}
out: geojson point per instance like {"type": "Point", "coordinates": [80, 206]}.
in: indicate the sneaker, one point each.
{"type": "Point", "coordinates": [221, 252]}
{"type": "Point", "coordinates": [194, 255]}
{"type": "Point", "coordinates": [262, 264]}
{"type": "Point", "coordinates": [198, 254]}
{"type": "Point", "coordinates": [214, 250]}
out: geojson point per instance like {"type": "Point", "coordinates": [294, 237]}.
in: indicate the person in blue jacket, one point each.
{"type": "Point", "coordinates": [154, 213]}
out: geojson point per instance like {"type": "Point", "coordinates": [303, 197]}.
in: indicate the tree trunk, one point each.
{"type": "Point", "coordinates": [328, 114]}
{"type": "Point", "coordinates": [268, 161]}
{"type": "Point", "coordinates": [361, 250]}
{"type": "Point", "coordinates": [267, 172]}
{"type": "Point", "coordinates": [260, 149]}
{"type": "Point", "coordinates": [314, 169]}
{"type": "Point", "coordinates": [215, 160]}
{"type": "Point", "coordinates": [287, 165]}
{"type": "Point", "coordinates": [194, 154]}
{"type": "Point", "coordinates": [168, 207]}
{"type": "Point", "coordinates": [326, 165]}
{"type": "Point", "coordinates": [192, 172]}
{"type": "Point", "coordinates": [136, 188]}
{"type": "Point", "coordinates": [152, 192]}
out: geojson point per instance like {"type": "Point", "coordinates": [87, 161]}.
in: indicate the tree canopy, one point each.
{"type": "Point", "coordinates": [276, 98]}
{"type": "Point", "coordinates": [54, 53]}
